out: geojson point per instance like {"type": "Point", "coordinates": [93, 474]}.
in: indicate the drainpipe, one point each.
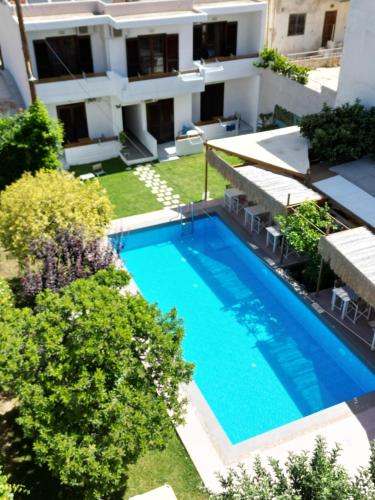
{"type": "Point", "coordinates": [25, 49]}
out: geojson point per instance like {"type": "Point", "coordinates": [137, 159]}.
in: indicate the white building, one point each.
{"type": "Point", "coordinates": [153, 68]}
{"type": "Point", "coordinates": [295, 26]}
{"type": "Point", "coordinates": [357, 76]}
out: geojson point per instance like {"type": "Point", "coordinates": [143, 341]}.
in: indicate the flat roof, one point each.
{"type": "Point", "coordinates": [349, 196]}
{"type": "Point", "coordinates": [283, 150]}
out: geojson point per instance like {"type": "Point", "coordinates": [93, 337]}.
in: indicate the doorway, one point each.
{"type": "Point", "coordinates": [160, 120]}
{"type": "Point", "coordinates": [212, 102]}
{"type": "Point", "coordinates": [329, 26]}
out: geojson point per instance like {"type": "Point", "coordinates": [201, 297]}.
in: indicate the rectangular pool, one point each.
{"type": "Point", "coordinates": [263, 359]}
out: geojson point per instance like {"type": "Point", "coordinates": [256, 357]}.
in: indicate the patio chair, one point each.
{"type": "Point", "coordinates": [97, 169]}
{"type": "Point", "coordinates": [356, 309]}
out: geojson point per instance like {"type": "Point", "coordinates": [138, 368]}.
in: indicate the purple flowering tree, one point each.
{"type": "Point", "coordinates": [53, 264]}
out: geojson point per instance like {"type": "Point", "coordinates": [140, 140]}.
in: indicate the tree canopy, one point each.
{"type": "Point", "coordinates": [38, 205]}
{"type": "Point", "coordinates": [305, 476]}
{"type": "Point", "coordinates": [29, 141]}
{"type": "Point", "coordinates": [97, 375]}
{"type": "Point", "coordinates": [339, 134]}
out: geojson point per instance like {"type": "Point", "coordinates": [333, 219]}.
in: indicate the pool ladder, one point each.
{"type": "Point", "coordinates": [186, 224]}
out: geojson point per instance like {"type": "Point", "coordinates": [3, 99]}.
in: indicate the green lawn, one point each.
{"type": "Point", "coordinates": [172, 466]}
{"type": "Point", "coordinates": [185, 175]}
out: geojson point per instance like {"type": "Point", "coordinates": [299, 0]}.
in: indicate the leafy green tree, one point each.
{"type": "Point", "coordinates": [305, 476]}
{"type": "Point", "coordinates": [303, 229]}
{"type": "Point", "coordinates": [37, 206]}
{"type": "Point", "coordinates": [97, 374]}
{"type": "Point", "coordinates": [6, 295]}
{"type": "Point", "coordinates": [29, 141]}
{"type": "Point", "coordinates": [7, 489]}
{"type": "Point", "coordinates": [338, 134]}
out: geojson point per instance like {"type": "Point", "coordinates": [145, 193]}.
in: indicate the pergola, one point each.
{"type": "Point", "coordinates": [274, 191]}
{"type": "Point", "coordinates": [351, 255]}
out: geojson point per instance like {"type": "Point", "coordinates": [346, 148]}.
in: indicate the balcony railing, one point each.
{"type": "Point", "coordinates": [64, 78]}
{"type": "Point", "coordinates": [229, 58]}
{"type": "Point", "coordinates": [153, 76]}
{"type": "Point", "coordinates": [85, 141]}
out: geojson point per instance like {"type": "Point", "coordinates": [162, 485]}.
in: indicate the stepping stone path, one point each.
{"type": "Point", "coordinates": [151, 179]}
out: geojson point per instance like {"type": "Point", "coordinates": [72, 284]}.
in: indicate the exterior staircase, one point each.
{"type": "Point", "coordinates": [135, 152]}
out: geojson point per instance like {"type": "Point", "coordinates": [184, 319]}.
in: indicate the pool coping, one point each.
{"type": "Point", "coordinates": [223, 452]}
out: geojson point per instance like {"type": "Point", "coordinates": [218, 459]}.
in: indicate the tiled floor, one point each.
{"type": "Point", "coordinates": [360, 329]}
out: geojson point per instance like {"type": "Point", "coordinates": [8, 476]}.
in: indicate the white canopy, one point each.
{"type": "Point", "coordinates": [264, 187]}
{"type": "Point", "coordinates": [354, 199]}
{"type": "Point", "coordinates": [283, 150]}
{"type": "Point", "coordinates": [351, 255]}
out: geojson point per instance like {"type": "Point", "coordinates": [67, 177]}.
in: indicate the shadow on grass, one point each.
{"type": "Point", "coordinates": [18, 460]}
{"type": "Point", "coordinates": [112, 166]}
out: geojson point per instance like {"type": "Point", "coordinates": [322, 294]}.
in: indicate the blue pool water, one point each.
{"type": "Point", "coordinates": [263, 359]}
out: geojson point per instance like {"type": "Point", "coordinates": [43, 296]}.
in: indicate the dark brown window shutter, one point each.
{"type": "Point", "coordinates": [197, 42]}
{"type": "Point", "coordinates": [132, 56]}
{"type": "Point", "coordinates": [171, 52]}
{"type": "Point", "coordinates": [85, 54]}
{"type": "Point", "coordinates": [231, 45]}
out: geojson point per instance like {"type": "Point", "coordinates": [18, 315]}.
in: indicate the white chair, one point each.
{"type": "Point", "coordinates": [356, 309]}
{"type": "Point", "coordinates": [97, 169]}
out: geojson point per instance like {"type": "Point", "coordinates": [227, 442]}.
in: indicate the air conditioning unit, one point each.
{"type": "Point", "coordinates": [115, 33]}
{"type": "Point", "coordinates": [82, 30]}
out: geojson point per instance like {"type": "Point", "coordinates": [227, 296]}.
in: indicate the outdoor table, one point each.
{"type": "Point", "coordinates": [344, 298]}
{"type": "Point", "coordinates": [86, 177]}
{"type": "Point", "coordinates": [273, 235]}
{"type": "Point", "coordinates": [231, 197]}
{"type": "Point", "coordinates": [252, 216]}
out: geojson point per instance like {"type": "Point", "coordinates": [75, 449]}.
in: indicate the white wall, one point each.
{"type": "Point", "coordinates": [90, 153]}
{"type": "Point", "coordinates": [11, 48]}
{"type": "Point", "coordinates": [296, 98]}
{"type": "Point", "coordinates": [357, 76]}
{"type": "Point", "coordinates": [182, 112]}
{"type": "Point", "coordinates": [99, 119]}
{"type": "Point", "coordinates": [242, 96]}
{"type": "Point", "coordinates": [278, 22]}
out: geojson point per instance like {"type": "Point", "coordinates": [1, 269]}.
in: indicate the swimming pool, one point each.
{"type": "Point", "coordinates": [263, 358]}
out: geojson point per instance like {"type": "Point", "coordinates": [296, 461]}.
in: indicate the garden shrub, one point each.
{"type": "Point", "coordinates": [271, 58]}
{"type": "Point", "coordinates": [38, 206]}
{"type": "Point", "coordinates": [29, 140]}
{"type": "Point", "coordinates": [340, 134]}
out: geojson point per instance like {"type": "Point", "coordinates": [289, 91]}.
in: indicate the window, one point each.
{"type": "Point", "coordinates": [212, 102]}
{"type": "Point", "coordinates": [152, 54]}
{"type": "Point", "coordinates": [58, 56]}
{"type": "Point", "coordinates": [296, 24]}
{"type": "Point", "coordinates": [73, 117]}
{"type": "Point", "coordinates": [214, 40]}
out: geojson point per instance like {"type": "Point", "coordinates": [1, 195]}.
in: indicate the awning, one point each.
{"type": "Point", "coordinates": [263, 187]}
{"type": "Point", "coordinates": [279, 150]}
{"type": "Point", "coordinates": [351, 255]}
{"type": "Point", "coordinates": [351, 197]}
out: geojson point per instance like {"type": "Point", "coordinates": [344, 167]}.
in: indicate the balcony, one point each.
{"type": "Point", "coordinates": [227, 68]}
{"type": "Point", "coordinates": [74, 88]}
{"type": "Point", "coordinates": [161, 85]}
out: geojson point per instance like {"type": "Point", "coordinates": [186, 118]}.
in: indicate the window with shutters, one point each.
{"type": "Point", "coordinates": [297, 24]}
{"type": "Point", "coordinates": [214, 40]}
{"type": "Point", "coordinates": [64, 55]}
{"type": "Point", "coordinates": [74, 120]}
{"type": "Point", "coordinates": [152, 54]}
{"type": "Point", "coordinates": [212, 102]}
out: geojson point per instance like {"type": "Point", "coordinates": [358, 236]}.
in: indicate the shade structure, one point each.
{"type": "Point", "coordinates": [351, 197]}
{"type": "Point", "coordinates": [351, 255]}
{"type": "Point", "coordinates": [280, 150]}
{"type": "Point", "coordinates": [263, 187]}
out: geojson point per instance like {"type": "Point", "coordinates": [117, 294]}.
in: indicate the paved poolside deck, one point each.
{"type": "Point", "coordinates": [350, 424]}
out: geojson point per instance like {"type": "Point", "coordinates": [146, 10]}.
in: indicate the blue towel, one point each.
{"type": "Point", "coordinates": [230, 127]}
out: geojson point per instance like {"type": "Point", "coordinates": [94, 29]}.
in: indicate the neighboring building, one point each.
{"type": "Point", "coordinates": [357, 76]}
{"type": "Point", "coordinates": [151, 68]}
{"type": "Point", "coordinates": [306, 25]}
